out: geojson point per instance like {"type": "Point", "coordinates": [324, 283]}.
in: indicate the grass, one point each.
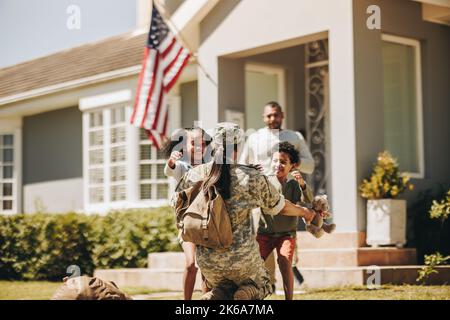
{"type": "Point", "coordinates": [42, 290]}
{"type": "Point", "coordinates": [385, 292]}
{"type": "Point", "coordinates": [27, 290]}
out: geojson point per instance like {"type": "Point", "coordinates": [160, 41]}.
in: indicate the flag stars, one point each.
{"type": "Point", "coordinates": [158, 30]}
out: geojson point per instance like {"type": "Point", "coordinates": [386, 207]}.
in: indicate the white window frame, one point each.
{"type": "Point", "coordinates": [14, 127]}
{"type": "Point", "coordinates": [105, 103]}
{"type": "Point", "coordinates": [419, 103]}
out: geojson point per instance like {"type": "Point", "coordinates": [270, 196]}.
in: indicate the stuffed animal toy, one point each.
{"type": "Point", "coordinates": [317, 227]}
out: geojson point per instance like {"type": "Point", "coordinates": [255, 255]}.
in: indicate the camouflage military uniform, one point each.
{"type": "Point", "coordinates": [240, 264]}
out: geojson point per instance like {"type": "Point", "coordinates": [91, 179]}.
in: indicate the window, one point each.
{"type": "Point", "coordinates": [403, 103]}
{"type": "Point", "coordinates": [121, 167]}
{"type": "Point", "coordinates": [96, 158]}
{"type": "Point", "coordinates": [118, 157]}
{"type": "Point", "coordinates": [107, 159]}
{"type": "Point", "coordinates": [153, 184]}
{"type": "Point", "coordinates": [7, 176]}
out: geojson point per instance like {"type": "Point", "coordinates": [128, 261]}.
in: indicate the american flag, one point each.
{"type": "Point", "coordinates": [164, 59]}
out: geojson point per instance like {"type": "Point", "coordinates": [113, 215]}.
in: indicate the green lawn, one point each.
{"type": "Point", "coordinates": [385, 292]}
{"type": "Point", "coordinates": [24, 290]}
{"type": "Point", "coordinates": [41, 290]}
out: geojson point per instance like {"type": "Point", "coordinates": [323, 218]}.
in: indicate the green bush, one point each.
{"type": "Point", "coordinates": [42, 246]}
{"type": "Point", "coordinates": [127, 244]}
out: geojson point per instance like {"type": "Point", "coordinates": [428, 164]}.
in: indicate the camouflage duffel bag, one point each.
{"type": "Point", "coordinates": [89, 288]}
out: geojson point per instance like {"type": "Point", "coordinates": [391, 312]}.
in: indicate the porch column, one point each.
{"type": "Point", "coordinates": [344, 184]}
{"type": "Point", "coordinates": [208, 101]}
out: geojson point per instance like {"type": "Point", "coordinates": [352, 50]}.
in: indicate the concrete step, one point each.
{"type": "Point", "coordinates": [171, 279]}
{"type": "Point", "coordinates": [365, 276]}
{"type": "Point", "coordinates": [304, 240]}
{"type": "Point", "coordinates": [342, 257]}
{"type": "Point", "coordinates": [352, 257]}
{"type": "Point", "coordinates": [162, 260]}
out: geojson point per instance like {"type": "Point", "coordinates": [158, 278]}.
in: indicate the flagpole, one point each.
{"type": "Point", "coordinates": [180, 37]}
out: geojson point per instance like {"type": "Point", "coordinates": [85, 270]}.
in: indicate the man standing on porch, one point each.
{"type": "Point", "coordinates": [259, 145]}
{"type": "Point", "coordinates": [258, 150]}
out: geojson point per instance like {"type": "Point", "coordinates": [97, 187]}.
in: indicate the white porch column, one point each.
{"type": "Point", "coordinates": [208, 92]}
{"type": "Point", "coordinates": [342, 124]}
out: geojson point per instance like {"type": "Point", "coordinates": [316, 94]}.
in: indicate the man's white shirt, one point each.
{"type": "Point", "coordinates": [259, 148]}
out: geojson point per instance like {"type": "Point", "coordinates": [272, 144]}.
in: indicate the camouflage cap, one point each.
{"type": "Point", "coordinates": [227, 133]}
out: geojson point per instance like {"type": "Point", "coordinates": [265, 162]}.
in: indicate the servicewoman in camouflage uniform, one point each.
{"type": "Point", "coordinates": [239, 271]}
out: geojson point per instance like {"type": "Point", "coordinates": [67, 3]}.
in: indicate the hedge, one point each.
{"type": "Point", "coordinates": [41, 246]}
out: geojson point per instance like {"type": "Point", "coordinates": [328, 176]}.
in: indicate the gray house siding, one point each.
{"type": "Point", "coordinates": [52, 146]}
{"type": "Point", "coordinates": [52, 161]}
{"type": "Point", "coordinates": [189, 103]}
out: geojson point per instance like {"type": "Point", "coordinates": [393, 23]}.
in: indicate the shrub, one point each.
{"type": "Point", "coordinates": [428, 235]}
{"type": "Point", "coordinates": [42, 246]}
{"type": "Point", "coordinates": [127, 244]}
{"type": "Point", "coordinates": [441, 209]}
{"type": "Point", "coordinates": [386, 182]}
{"type": "Point", "coordinates": [431, 261]}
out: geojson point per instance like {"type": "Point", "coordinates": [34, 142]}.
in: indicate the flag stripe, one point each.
{"type": "Point", "coordinates": [169, 48]}
{"type": "Point", "coordinates": [164, 109]}
{"type": "Point", "coordinates": [172, 70]}
{"type": "Point", "coordinates": [151, 137]}
{"type": "Point", "coordinates": [169, 85]}
{"type": "Point", "coordinates": [166, 42]}
{"type": "Point", "coordinates": [138, 91]}
{"type": "Point", "coordinates": [158, 138]}
{"type": "Point", "coordinates": [154, 74]}
{"type": "Point", "coordinates": [166, 120]}
{"type": "Point", "coordinates": [172, 55]}
{"type": "Point", "coordinates": [173, 62]}
{"type": "Point", "coordinates": [158, 108]}
{"type": "Point", "coordinates": [145, 87]}
{"type": "Point", "coordinates": [154, 100]}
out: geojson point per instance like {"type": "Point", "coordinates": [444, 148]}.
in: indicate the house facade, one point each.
{"type": "Point", "coordinates": [354, 90]}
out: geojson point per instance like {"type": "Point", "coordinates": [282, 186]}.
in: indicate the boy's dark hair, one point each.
{"type": "Point", "coordinates": [289, 149]}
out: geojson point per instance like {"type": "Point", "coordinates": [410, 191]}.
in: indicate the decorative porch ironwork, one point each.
{"type": "Point", "coordinates": [317, 121]}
